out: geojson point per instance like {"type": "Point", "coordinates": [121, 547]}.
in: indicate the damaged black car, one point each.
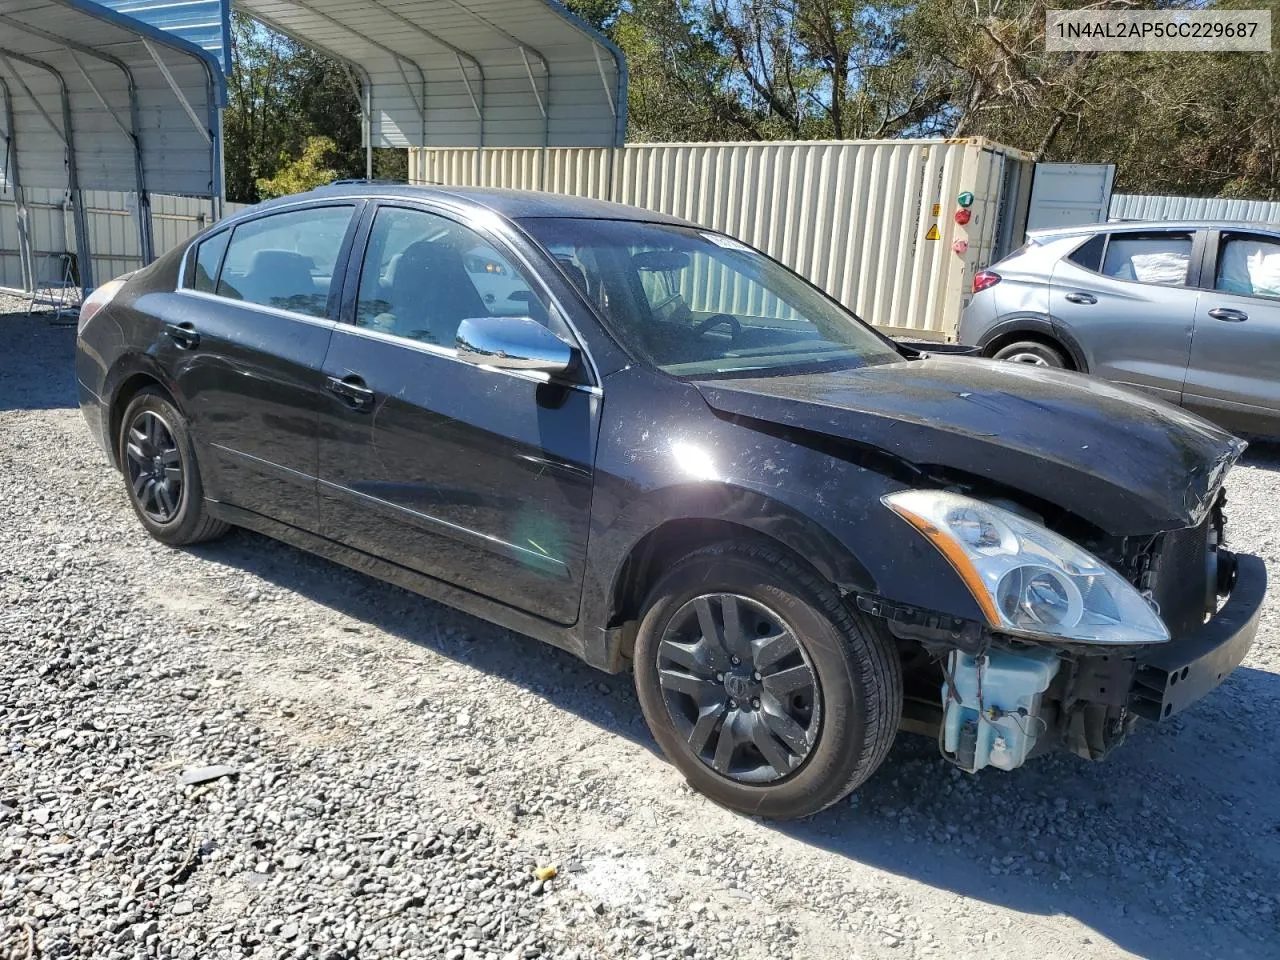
{"type": "Point", "coordinates": [659, 449]}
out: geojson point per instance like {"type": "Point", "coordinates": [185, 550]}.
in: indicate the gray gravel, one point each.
{"type": "Point", "coordinates": [242, 750]}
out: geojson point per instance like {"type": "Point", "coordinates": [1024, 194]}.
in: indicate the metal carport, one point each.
{"type": "Point", "coordinates": [93, 100]}
{"type": "Point", "coordinates": [466, 73]}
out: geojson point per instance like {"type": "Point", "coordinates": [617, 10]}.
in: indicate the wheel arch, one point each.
{"type": "Point", "coordinates": [131, 376]}
{"type": "Point", "coordinates": [750, 516]}
{"type": "Point", "coordinates": [1035, 327]}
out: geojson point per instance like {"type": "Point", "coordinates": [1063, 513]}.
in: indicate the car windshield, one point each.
{"type": "Point", "coordinates": [696, 303]}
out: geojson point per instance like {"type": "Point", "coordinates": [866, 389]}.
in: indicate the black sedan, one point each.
{"type": "Point", "coordinates": [655, 447]}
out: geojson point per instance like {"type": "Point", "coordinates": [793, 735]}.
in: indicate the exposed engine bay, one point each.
{"type": "Point", "coordinates": [996, 699]}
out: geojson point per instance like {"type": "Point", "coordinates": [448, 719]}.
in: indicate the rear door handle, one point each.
{"type": "Point", "coordinates": [183, 334]}
{"type": "Point", "coordinates": [1228, 315]}
{"type": "Point", "coordinates": [353, 391]}
{"type": "Point", "coordinates": [1082, 298]}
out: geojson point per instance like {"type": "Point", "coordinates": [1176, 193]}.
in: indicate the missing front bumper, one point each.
{"type": "Point", "coordinates": [1175, 675]}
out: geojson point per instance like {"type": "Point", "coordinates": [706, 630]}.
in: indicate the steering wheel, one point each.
{"type": "Point", "coordinates": [719, 319]}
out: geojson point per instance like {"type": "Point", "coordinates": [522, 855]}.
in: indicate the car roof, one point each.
{"type": "Point", "coordinates": [1052, 233]}
{"type": "Point", "coordinates": [512, 204]}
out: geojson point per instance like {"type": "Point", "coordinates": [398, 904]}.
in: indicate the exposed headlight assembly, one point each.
{"type": "Point", "coordinates": [1029, 581]}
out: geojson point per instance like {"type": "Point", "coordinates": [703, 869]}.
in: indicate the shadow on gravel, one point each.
{"type": "Point", "coordinates": [37, 363]}
{"type": "Point", "coordinates": [1103, 842]}
{"type": "Point", "coordinates": [1185, 812]}
{"type": "Point", "coordinates": [1262, 453]}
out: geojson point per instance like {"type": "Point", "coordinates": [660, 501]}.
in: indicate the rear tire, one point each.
{"type": "Point", "coordinates": [162, 478]}
{"type": "Point", "coordinates": [804, 714]}
{"type": "Point", "coordinates": [1033, 352]}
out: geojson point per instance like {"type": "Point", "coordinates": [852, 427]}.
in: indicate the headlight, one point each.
{"type": "Point", "coordinates": [1028, 580]}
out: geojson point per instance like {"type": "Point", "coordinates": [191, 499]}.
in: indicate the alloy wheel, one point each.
{"type": "Point", "coordinates": [1034, 359]}
{"type": "Point", "coordinates": [739, 688]}
{"type": "Point", "coordinates": [154, 467]}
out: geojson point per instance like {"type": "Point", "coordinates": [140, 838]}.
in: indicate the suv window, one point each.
{"type": "Point", "coordinates": [423, 274]}
{"type": "Point", "coordinates": [1249, 265]}
{"type": "Point", "coordinates": [208, 259]}
{"type": "Point", "coordinates": [1161, 258]}
{"type": "Point", "coordinates": [1089, 253]}
{"type": "Point", "coordinates": [285, 260]}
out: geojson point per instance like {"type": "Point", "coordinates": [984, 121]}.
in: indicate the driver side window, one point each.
{"type": "Point", "coordinates": [423, 274]}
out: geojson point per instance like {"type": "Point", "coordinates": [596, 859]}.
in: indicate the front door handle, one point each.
{"type": "Point", "coordinates": [353, 391]}
{"type": "Point", "coordinates": [1082, 298]}
{"type": "Point", "coordinates": [1228, 315]}
{"type": "Point", "coordinates": [183, 334]}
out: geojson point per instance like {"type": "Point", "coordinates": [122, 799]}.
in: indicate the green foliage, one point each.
{"type": "Point", "coordinates": [701, 70]}
{"type": "Point", "coordinates": [302, 173]}
{"type": "Point", "coordinates": [282, 96]}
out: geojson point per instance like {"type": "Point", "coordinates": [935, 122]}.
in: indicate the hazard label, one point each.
{"type": "Point", "coordinates": [933, 233]}
{"type": "Point", "coordinates": [937, 209]}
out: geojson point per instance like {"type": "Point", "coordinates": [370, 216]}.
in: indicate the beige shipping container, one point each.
{"type": "Point", "coordinates": [871, 222]}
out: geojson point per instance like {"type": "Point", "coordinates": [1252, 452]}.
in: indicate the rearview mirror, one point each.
{"type": "Point", "coordinates": [514, 343]}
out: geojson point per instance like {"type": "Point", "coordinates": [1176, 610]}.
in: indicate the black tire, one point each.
{"type": "Point", "coordinates": [1033, 352]}
{"type": "Point", "coordinates": [857, 691]}
{"type": "Point", "coordinates": [154, 431]}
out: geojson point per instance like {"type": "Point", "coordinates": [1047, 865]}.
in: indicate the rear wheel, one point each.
{"type": "Point", "coordinates": [161, 474]}
{"type": "Point", "coordinates": [1033, 352]}
{"type": "Point", "coordinates": [761, 685]}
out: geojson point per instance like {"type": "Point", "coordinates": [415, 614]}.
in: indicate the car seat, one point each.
{"type": "Point", "coordinates": [431, 294]}
{"type": "Point", "coordinates": [281, 278]}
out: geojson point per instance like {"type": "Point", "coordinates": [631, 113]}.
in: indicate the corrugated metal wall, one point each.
{"type": "Point", "coordinates": [113, 234]}
{"type": "Point", "coordinates": [870, 222]}
{"type": "Point", "coordinates": [1148, 207]}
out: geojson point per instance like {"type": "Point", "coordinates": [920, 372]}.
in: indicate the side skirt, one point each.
{"type": "Point", "coordinates": [566, 638]}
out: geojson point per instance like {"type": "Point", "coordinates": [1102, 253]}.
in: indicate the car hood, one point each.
{"type": "Point", "coordinates": [1124, 462]}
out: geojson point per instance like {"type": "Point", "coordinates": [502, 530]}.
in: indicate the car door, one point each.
{"type": "Point", "coordinates": [1125, 297]}
{"type": "Point", "coordinates": [472, 475]}
{"type": "Point", "coordinates": [246, 340]}
{"type": "Point", "coordinates": [1234, 373]}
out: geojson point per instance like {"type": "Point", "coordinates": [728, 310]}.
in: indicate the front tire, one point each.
{"type": "Point", "coordinates": [765, 689]}
{"type": "Point", "coordinates": [161, 475]}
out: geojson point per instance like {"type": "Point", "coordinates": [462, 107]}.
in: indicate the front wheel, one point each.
{"type": "Point", "coordinates": [769, 693]}
{"type": "Point", "coordinates": [161, 473]}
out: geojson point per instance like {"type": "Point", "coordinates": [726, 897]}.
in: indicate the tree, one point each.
{"type": "Point", "coordinates": [305, 172]}
{"type": "Point", "coordinates": [707, 70]}
{"type": "Point", "coordinates": [281, 97]}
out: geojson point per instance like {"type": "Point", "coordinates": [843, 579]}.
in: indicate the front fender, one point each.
{"type": "Point", "coordinates": [678, 461]}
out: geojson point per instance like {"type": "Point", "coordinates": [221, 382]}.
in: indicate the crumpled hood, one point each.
{"type": "Point", "coordinates": [1124, 462]}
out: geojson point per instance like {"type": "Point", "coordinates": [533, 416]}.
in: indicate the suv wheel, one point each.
{"type": "Point", "coordinates": [161, 474]}
{"type": "Point", "coordinates": [761, 685]}
{"type": "Point", "coordinates": [1033, 352]}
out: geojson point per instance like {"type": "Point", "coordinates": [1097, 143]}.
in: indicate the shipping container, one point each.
{"type": "Point", "coordinates": [871, 222]}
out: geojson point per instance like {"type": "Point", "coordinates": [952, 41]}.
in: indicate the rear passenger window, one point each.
{"type": "Point", "coordinates": [1160, 258]}
{"type": "Point", "coordinates": [1089, 253]}
{"type": "Point", "coordinates": [1249, 265]}
{"type": "Point", "coordinates": [286, 260]}
{"type": "Point", "coordinates": [208, 257]}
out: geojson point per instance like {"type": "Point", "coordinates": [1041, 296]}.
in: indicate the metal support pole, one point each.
{"type": "Point", "coordinates": [26, 266]}
{"type": "Point", "coordinates": [67, 136]}
{"type": "Point", "coordinates": [83, 256]}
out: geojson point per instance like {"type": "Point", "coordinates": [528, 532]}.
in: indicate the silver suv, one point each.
{"type": "Point", "coordinates": [1189, 312]}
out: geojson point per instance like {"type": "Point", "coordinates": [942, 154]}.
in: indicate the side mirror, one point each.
{"type": "Point", "coordinates": [514, 343]}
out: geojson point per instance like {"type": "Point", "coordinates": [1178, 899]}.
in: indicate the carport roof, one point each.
{"type": "Point", "coordinates": [461, 73]}
{"type": "Point", "coordinates": [92, 99]}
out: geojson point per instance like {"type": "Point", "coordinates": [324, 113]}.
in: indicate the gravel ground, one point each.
{"type": "Point", "coordinates": [403, 771]}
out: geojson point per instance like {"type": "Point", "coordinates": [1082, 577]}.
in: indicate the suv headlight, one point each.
{"type": "Point", "coordinates": [1029, 581]}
